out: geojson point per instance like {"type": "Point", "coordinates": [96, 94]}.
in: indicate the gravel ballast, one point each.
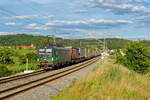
{"type": "Point", "coordinates": [44, 92]}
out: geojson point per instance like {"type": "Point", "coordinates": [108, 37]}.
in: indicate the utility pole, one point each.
{"type": "Point", "coordinates": [27, 64]}
{"type": "Point", "coordinates": [48, 39]}
{"type": "Point", "coordinates": [54, 37]}
{"type": "Point", "coordinates": [106, 45]}
{"type": "Point", "coordinates": [104, 40]}
{"type": "Point", "coordinates": [80, 43]}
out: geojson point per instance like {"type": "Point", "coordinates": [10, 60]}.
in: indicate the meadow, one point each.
{"type": "Point", "coordinates": [109, 81]}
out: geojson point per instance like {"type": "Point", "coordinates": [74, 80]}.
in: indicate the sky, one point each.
{"type": "Point", "coordinates": [128, 19]}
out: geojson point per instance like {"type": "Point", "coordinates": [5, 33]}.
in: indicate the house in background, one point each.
{"type": "Point", "coordinates": [26, 47]}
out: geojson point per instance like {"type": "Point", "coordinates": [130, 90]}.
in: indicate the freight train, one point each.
{"type": "Point", "coordinates": [55, 57]}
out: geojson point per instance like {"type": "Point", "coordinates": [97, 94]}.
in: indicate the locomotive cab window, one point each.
{"type": "Point", "coordinates": [45, 53]}
{"type": "Point", "coordinates": [49, 52]}
{"type": "Point", "coordinates": [41, 52]}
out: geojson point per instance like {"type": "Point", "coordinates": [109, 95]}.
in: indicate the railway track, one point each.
{"type": "Point", "coordinates": [13, 78]}
{"type": "Point", "coordinates": [9, 92]}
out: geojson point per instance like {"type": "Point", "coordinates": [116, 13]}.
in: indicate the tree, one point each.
{"type": "Point", "coordinates": [44, 43]}
{"type": "Point", "coordinates": [5, 56]}
{"type": "Point", "coordinates": [137, 57]}
{"type": "Point", "coordinates": [32, 57]}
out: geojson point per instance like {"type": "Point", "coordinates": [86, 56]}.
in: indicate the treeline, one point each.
{"type": "Point", "coordinates": [24, 39]}
{"type": "Point", "coordinates": [136, 56]}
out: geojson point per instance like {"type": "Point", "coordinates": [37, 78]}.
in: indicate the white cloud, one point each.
{"type": "Point", "coordinates": [81, 11]}
{"type": "Point", "coordinates": [131, 8]}
{"type": "Point", "coordinates": [143, 21]}
{"type": "Point", "coordinates": [41, 28]}
{"type": "Point", "coordinates": [11, 24]}
{"type": "Point", "coordinates": [65, 22]}
{"type": "Point", "coordinates": [90, 24]}
{"type": "Point", "coordinates": [30, 26]}
{"type": "Point", "coordinates": [35, 27]}
{"type": "Point", "coordinates": [111, 21]}
{"type": "Point", "coordinates": [119, 7]}
{"type": "Point", "coordinates": [25, 17]}
{"type": "Point", "coordinates": [22, 17]}
{"type": "Point", "coordinates": [79, 24]}
{"type": "Point", "coordinates": [49, 16]}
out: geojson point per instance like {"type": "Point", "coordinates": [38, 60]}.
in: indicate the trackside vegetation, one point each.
{"type": "Point", "coordinates": [13, 61]}
{"type": "Point", "coordinates": [135, 56]}
{"type": "Point", "coordinates": [109, 81]}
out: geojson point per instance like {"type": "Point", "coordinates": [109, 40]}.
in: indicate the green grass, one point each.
{"type": "Point", "coordinates": [20, 68]}
{"type": "Point", "coordinates": [109, 81]}
{"type": "Point", "coordinates": [98, 65]}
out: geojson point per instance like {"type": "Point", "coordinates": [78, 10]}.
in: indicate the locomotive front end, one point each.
{"type": "Point", "coordinates": [45, 57]}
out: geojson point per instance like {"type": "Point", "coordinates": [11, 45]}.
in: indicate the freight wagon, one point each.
{"type": "Point", "coordinates": [52, 56]}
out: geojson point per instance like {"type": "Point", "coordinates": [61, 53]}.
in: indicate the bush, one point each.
{"type": "Point", "coordinates": [120, 57]}
{"type": "Point", "coordinates": [137, 57]}
{"type": "Point", "coordinates": [4, 71]}
{"type": "Point", "coordinates": [5, 56]}
{"type": "Point", "coordinates": [30, 56]}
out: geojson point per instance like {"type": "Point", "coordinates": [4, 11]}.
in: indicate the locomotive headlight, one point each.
{"type": "Point", "coordinates": [52, 58]}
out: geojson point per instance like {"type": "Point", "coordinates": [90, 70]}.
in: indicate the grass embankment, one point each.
{"type": "Point", "coordinates": [109, 81]}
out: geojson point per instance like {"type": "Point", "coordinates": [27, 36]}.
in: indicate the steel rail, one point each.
{"type": "Point", "coordinates": [24, 87]}
{"type": "Point", "coordinates": [17, 77]}
{"type": "Point", "coordinates": [12, 78]}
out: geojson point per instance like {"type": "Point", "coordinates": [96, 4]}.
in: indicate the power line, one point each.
{"type": "Point", "coordinates": [9, 13]}
{"type": "Point", "coordinates": [95, 38]}
{"type": "Point", "coordinates": [38, 11]}
{"type": "Point", "coordinates": [13, 13]}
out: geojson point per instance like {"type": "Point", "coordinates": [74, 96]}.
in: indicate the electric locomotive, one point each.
{"type": "Point", "coordinates": [52, 56]}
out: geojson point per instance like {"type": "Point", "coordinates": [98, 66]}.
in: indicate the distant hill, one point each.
{"type": "Point", "coordinates": [24, 39]}
{"type": "Point", "coordinates": [20, 39]}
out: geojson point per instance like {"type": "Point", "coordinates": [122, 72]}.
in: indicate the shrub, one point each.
{"type": "Point", "coordinates": [30, 56]}
{"type": "Point", "coordinates": [120, 57]}
{"type": "Point", "coordinates": [4, 71]}
{"type": "Point", "coordinates": [5, 56]}
{"type": "Point", "coordinates": [137, 57]}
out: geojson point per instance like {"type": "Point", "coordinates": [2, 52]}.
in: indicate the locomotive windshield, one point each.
{"type": "Point", "coordinates": [45, 52]}
{"type": "Point", "coordinates": [49, 52]}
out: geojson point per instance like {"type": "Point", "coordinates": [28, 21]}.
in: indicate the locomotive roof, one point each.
{"type": "Point", "coordinates": [55, 47]}
{"type": "Point", "coordinates": [41, 47]}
